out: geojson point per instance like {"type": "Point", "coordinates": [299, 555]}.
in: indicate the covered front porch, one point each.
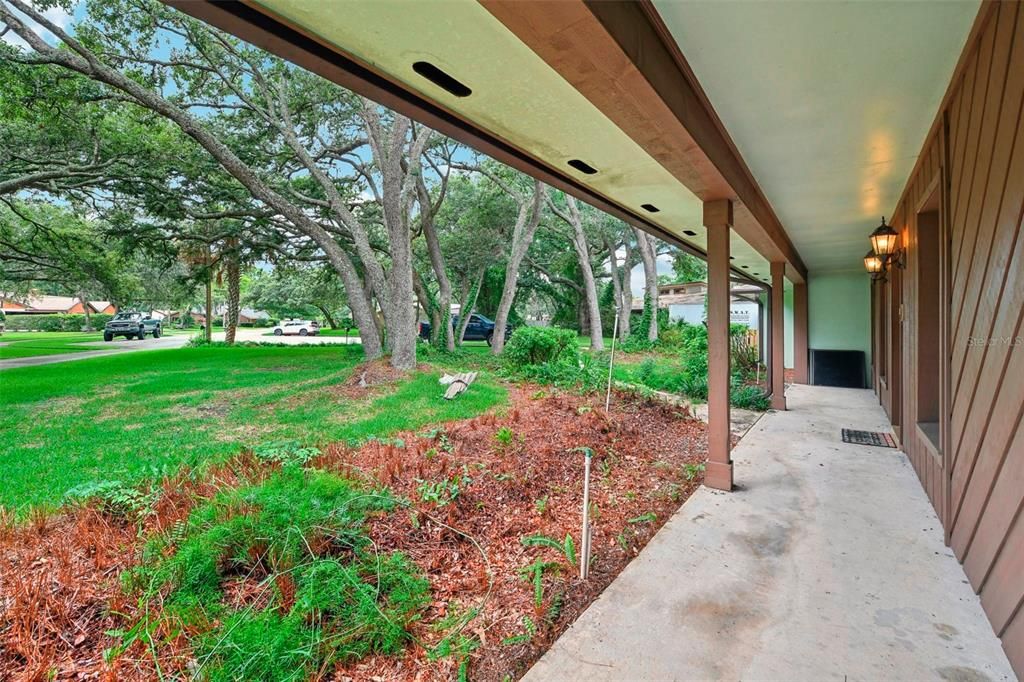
{"type": "Point", "coordinates": [827, 562]}
{"type": "Point", "coordinates": [767, 139]}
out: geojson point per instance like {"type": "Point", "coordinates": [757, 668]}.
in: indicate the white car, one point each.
{"type": "Point", "coordinates": [300, 327]}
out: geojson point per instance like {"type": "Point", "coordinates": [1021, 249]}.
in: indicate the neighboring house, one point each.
{"type": "Point", "coordinates": [246, 316]}
{"type": "Point", "coordinates": [165, 316]}
{"type": "Point", "coordinates": [105, 307]}
{"type": "Point", "coordinates": [253, 316]}
{"type": "Point", "coordinates": [685, 301]}
{"type": "Point", "coordinates": [52, 305]}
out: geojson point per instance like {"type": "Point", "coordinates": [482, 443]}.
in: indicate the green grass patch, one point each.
{"type": "Point", "coordinates": [321, 594]}
{"type": "Point", "coordinates": [132, 416]}
{"type": "Point", "coordinates": [31, 344]}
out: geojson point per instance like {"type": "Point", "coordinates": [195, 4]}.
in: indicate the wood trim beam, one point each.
{"type": "Point", "coordinates": [778, 270]}
{"type": "Point", "coordinates": [718, 219]}
{"type": "Point", "coordinates": [623, 59]}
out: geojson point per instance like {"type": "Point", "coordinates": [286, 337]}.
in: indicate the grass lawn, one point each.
{"type": "Point", "coordinates": [326, 331]}
{"type": "Point", "coordinates": [136, 415]}
{"type": "Point", "coordinates": [584, 342]}
{"type": "Point", "coordinates": [29, 344]}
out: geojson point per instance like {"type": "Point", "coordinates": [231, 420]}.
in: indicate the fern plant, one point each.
{"type": "Point", "coordinates": [567, 546]}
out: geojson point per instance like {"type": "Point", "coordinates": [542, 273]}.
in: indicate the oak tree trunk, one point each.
{"type": "Point", "coordinates": [467, 304]}
{"type": "Point", "coordinates": [209, 308]}
{"type": "Point", "coordinates": [645, 245]}
{"type": "Point", "coordinates": [234, 297]}
{"type": "Point", "coordinates": [582, 248]}
{"type": "Point", "coordinates": [522, 236]}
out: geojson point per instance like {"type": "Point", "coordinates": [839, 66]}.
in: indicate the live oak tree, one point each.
{"type": "Point", "coordinates": [471, 229]}
{"type": "Point", "coordinates": [280, 133]}
{"type": "Point", "coordinates": [568, 211]}
{"type": "Point", "coordinates": [649, 258]}
{"type": "Point", "coordinates": [620, 237]}
{"type": "Point", "coordinates": [49, 247]}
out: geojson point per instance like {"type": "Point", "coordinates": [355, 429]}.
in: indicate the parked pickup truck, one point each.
{"type": "Point", "coordinates": [480, 328]}
{"type": "Point", "coordinates": [132, 326]}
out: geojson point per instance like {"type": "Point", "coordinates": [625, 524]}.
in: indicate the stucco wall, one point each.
{"type": "Point", "coordinates": [787, 322]}
{"type": "Point", "coordinates": [839, 311]}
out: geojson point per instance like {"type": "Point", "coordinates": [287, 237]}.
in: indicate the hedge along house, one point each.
{"type": "Point", "coordinates": [769, 138]}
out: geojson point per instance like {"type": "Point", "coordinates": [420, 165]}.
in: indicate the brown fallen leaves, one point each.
{"type": "Point", "coordinates": [59, 575]}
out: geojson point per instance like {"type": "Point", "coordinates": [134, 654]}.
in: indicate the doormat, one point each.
{"type": "Point", "coordinates": [879, 440]}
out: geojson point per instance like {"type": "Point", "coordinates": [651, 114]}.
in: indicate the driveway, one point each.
{"type": "Point", "coordinates": [112, 348]}
{"type": "Point", "coordinates": [257, 336]}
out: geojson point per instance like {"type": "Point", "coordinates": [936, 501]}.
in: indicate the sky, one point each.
{"type": "Point", "coordinates": [57, 15]}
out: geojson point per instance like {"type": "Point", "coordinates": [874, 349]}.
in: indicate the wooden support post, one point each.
{"type": "Point", "coordinates": [718, 221]}
{"type": "Point", "coordinates": [801, 353]}
{"type": "Point", "coordinates": [778, 336]}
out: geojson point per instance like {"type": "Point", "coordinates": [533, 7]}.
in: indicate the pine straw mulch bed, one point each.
{"type": "Point", "coordinates": [59, 575]}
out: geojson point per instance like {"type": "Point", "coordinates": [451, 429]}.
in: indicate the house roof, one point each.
{"type": "Point", "coordinates": [45, 303]}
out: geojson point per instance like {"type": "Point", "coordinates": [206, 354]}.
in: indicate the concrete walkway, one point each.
{"type": "Point", "coordinates": [827, 564]}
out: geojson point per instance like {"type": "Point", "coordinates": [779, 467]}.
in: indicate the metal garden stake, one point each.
{"type": "Point", "coordinates": [611, 362]}
{"type": "Point", "coordinates": [585, 537]}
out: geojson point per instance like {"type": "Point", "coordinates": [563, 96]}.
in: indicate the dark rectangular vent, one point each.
{"type": "Point", "coordinates": [650, 208]}
{"type": "Point", "coordinates": [689, 233]}
{"type": "Point", "coordinates": [843, 368]}
{"type": "Point", "coordinates": [442, 79]}
{"type": "Point", "coordinates": [582, 166]}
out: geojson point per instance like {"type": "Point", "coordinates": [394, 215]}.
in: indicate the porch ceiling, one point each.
{"type": "Point", "coordinates": [517, 97]}
{"type": "Point", "coordinates": [828, 102]}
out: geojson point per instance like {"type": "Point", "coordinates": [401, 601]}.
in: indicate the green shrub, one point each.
{"type": "Point", "coordinates": [55, 323]}
{"type": "Point", "coordinates": [538, 345]}
{"type": "Point", "coordinates": [551, 356]}
{"type": "Point", "coordinates": [749, 397]}
{"type": "Point", "coordinates": [638, 344]}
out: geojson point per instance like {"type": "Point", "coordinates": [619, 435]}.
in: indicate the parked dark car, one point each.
{"type": "Point", "coordinates": [132, 326]}
{"type": "Point", "coordinates": [480, 328]}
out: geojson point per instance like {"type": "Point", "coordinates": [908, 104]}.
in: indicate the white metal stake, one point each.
{"type": "Point", "coordinates": [585, 536]}
{"type": "Point", "coordinates": [611, 361]}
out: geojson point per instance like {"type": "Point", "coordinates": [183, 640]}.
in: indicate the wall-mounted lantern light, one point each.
{"type": "Point", "coordinates": [884, 251]}
{"type": "Point", "coordinates": [873, 264]}
{"type": "Point", "coordinates": [883, 239]}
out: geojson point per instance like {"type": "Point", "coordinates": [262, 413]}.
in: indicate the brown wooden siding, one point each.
{"type": "Point", "coordinates": [974, 476]}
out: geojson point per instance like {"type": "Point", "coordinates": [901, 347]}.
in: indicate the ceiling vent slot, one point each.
{"type": "Point", "coordinates": [582, 166]}
{"type": "Point", "coordinates": [442, 79]}
{"type": "Point", "coordinates": [650, 208]}
{"type": "Point", "coordinates": [689, 233]}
